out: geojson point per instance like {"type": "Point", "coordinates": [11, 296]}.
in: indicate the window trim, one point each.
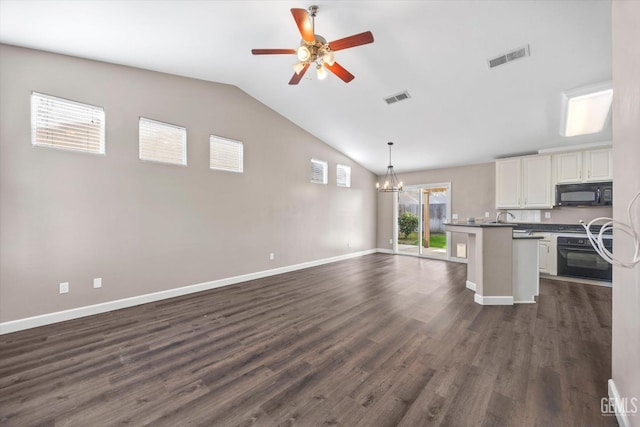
{"type": "Point", "coordinates": [213, 137]}
{"type": "Point", "coordinates": [98, 110]}
{"type": "Point", "coordinates": [184, 142]}
{"type": "Point", "coordinates": [325, 171]}
{"type": "Point", "coordinates": [347, 168]}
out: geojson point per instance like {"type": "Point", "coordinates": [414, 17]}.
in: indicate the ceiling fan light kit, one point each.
{"type": "Point", "coordinates": [304, 54]}
{"type": "Point", "coordinates": [322, 73]}
{"type": "Point", "coordinates": [314, 48]}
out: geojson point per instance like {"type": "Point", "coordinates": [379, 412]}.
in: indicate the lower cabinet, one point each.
{"type": "Point", "coordinates": [548, 262]}
{"type": "Point", "coordinates": [544, 247]}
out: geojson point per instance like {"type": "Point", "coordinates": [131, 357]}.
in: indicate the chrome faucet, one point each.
{"type": "Point", "coordinates": [500, 214]}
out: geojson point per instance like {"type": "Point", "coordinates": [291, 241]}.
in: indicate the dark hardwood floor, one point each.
{"type": "Point", "coordinates": [379, 340]}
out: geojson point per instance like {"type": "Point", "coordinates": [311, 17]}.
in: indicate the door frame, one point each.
{"type": "Point", "coordinates": [396, 202]}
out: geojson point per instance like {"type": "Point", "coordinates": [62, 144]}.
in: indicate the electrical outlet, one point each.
{"type": "Point", "coordinates": [486, 214]}
{"type": "Point", "coordinates": [64, 287]}
{"type": "Point", "coordinates": [547, 215]}
{"type": "Point", "coordinates": [454, 216]}
{"type": "Point", "coordinates": [272, 256]}
{"type": "Point", "coordinates": [391, 241]}
{"type": "Point", "coordinates": [97, 282]}
{"type": "Point", "coordinates": [348, 244]}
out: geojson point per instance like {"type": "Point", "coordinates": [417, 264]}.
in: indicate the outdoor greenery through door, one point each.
{"type": "Point", "coordinates": [422, 212]}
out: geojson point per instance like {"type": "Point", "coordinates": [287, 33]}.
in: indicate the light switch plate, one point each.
{"type": "Point", "coordinates": [97, 282]}
{"type": "Point", "coordinates": [547, 215]}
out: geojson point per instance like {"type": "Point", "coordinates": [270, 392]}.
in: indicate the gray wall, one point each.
{"type": "Point", "coordinates": [472, 193]}
{"type": "Point", "coordinates": [144, 227]}
{"type": "Point", "coordinates": [626, 155]}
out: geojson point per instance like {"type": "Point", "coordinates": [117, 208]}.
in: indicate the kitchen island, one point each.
{"type": "Point", "coordinates": [502, 267]}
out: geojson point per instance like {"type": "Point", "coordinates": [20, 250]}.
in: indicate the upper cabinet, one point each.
{"type": "Point", "coordinates": [568, 167]}
{"type": "Point", "coordinates": [536, 175]}
{"type": "Point", "coordinates": [529, 181]}
{"type": "Point", "coordinates": [584, 166]}
{"type": "Point", "coordinates": [598, 165]}
{"type": "Point", "coordinates": [524, 182]}
{"type": "Point", "coordinates": [508, 183]}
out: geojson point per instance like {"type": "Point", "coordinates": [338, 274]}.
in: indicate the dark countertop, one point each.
{"type": "Point", "coordinates": [556, 228]}
{"type": "Point", "coordinates": [525, 236]}
{"type": "Point", "coordinates": [480, 224]}
{"type": "Point", "coordinates": [536, 227]}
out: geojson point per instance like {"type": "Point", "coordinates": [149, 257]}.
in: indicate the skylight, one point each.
{"type": "Point", "coordinates": [586, 110]}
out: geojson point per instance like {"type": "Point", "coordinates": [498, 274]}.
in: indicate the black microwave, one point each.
{"type": "Point", "coordinates": [587, 194]}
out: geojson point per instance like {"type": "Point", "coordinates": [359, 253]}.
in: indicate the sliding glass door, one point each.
{"type": "Point", "coordinates": [422, 212]}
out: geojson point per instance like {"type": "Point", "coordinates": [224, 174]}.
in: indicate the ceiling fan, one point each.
{"type": "Point", "coordinates": [315, 50]}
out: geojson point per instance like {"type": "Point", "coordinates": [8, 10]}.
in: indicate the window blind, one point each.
{"type": "Point", "coordinates": [318, 171]}
{"type": "Point", "coordinates": [343, 176]}
{"type": "Point", "coordinates": [225, 154]}
{"type": "Point", "coordinates": [70, 125]}
{"type": "Point", "coordinates": [162, 142]}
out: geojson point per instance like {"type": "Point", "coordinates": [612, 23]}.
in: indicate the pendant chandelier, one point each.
{"type": "Point", "coordinates": [390, 183]}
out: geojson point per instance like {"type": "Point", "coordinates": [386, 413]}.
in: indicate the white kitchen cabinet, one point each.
{"type": "Point", "coordinates": [568, 167]}
{"type": "Point", "coordinates": [547, 253]}
{"type": "Point", "coordinates": [524, 182]}
{"type": "Point", "coordinates": [536, 175]}
{"type": "Point", "coordinates": [598, 165]}
{"type": "Point", "coordinates": [508, 179]}
{"type": "Point", "coordinates": [584, 166]}
{"type": "Point", "coordinates": [544, 248]}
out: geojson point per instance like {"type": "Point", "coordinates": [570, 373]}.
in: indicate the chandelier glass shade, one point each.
{"type": "Point", "coordinates": [390, 182]}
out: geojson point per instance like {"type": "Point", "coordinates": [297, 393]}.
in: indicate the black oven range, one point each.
{"type": "Point", "coordinates": [577, 258]}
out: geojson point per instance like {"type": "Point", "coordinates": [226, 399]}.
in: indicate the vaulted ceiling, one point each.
{"type": "Point", "coordinates": [459, 111]}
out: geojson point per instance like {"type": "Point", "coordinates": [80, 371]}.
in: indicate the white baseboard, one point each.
{"type": "Point", "coordinates": [525, 302]}
{"type": "Point", "coordinates": [385, 251]}
{"type": "Point", "coordinates": [452, 259]}
{"type": "Point", "coordinates": [622, 417]}
{"type": "Point", "coordinates": [75, 313]}
{"type": "Point", "coordinates": [576, 280]}
{"type": "Point", "coordinates": [493, 300]}
{"type": "Point", "coordinates": [471, 285]}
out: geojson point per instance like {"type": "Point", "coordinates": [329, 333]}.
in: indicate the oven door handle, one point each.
{"type": "Point", "coordinates": [577, 249]}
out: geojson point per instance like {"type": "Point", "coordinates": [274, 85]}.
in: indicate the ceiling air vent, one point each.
{"type": "Point", "coordinates": [509, 56]}
{"type": "Point", "coordinates": [397, 97]}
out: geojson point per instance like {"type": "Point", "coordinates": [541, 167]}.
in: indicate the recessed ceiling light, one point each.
{"type": "Point", "coordinates": [586, 110]}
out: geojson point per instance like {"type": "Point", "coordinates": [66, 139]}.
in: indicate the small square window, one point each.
{"type": "Point", "coordinates": [319, 171]}
{"type": "Point", "coordinates": [162, 142]}
{"type": "Point", "coordinates": [343, 176]}
{"type": "Point", "coordinates": [226, 154]}
{"type": "Point", "coordinates": [69, 125]}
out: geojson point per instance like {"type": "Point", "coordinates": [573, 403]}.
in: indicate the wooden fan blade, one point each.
{"type": "Point", "coordinates": [272, 51]}
{"type": "Point", "coordinates": [298, 76]}
{"type": "Point", "coordinates": [304, 24]}
{"type": "Point", "coordinates": [351, 41]}
{"type": "Point", "coordinates": [339, 71]}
